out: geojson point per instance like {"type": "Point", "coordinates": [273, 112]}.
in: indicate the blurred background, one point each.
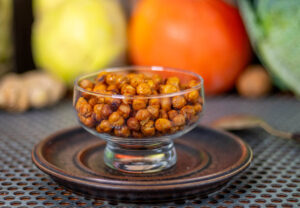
{"type": "Point", "coordinates": [247, 47]}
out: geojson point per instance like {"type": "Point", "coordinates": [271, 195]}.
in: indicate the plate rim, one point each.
{"type": "Point", "coordinates": [53, 171]}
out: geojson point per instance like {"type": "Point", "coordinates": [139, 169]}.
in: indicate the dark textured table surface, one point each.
{"type": "Point", "coordinates": [272, 180]}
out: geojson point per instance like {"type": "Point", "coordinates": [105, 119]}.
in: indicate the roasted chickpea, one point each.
{"type": "Point", "coordinates": [87, 121]}
{"type": "Point", "coordinates": [86, 95]}
{"type": "Point", "coordinates": [188, 112]}
{"type": "Point", "coordinates": [154, 101]}
{"type": "Point", "coordinates": [173, 81]}
{"type": "Point", "coordinates": [100, 88]}
{"type": "Point", "coordinates": [163, 125]}
{"type": "Point", "coordinates": [133, 124]}
{"type": "Point", "coordinates": [153, 110]}
{"type": "Point", "coordinates": [148, 128]}
{"type": "Point", "coordinates": [93, 101]}
{"type": "Point", "coordinates": [198, 107]}
{"type": "Point", "coordinates": [157, 79]}
{"type": "Point", "coordinates": [166, 89]}
{"type": "Point", "coordinates": [85, 110]}
{"type": "Point", "coordinates": [79, 102]}
{"type": "Point", "coordinates": [122, 132]}
{"type": "Point", "coordinates": [172, 114]}
{"type": "Point", "coordinates": [192, 97]}
{"type": "Point", "coordinates": [137, 134]}
{"type": "Point", "coordinates": [138, 104]}
{"type": "Point", "coordinates": [86, 84]}
{"type": "Point", "coordinates": [111, 78]}
{"type": "Point", "coordinates": [143, 89]}
{"type": "Point", "coordinates": [174, 129]}
{"type": "Point", "coordinates": [136, 80]}
{"type": "Point", "coordinates": [116, 120]}
{"type": "Point", "coordinates": [165, 104]}
{"type": "Point", "coordinates": [151, 84]}
{"type": "Point", "coordinates": [178, 120]}
{"type": "Point", "coordinates": [124, 110]}
{"type": "Point", "coordinates": [104, 127]}
{"type": "Point", "coordinates": [101, 76]}
{"type": "Point", "coordinates": [178, 102]}
{"type": "Point", "coordinates": [106, 111]}
{"type": "Point", "coordinates": [113, 102]}
{"type": "Point", "coordinates": [121, 80]}
{"type": "Point", "coordinates": [113, 88]}
{"type": "Point", "coordinates": [163, 114]}
{"type": "Point", "coordinates": [128, 90]}
{"type": "Point", "coordinates": [143, 116]}
{"type": "Point", "coordinates": [97, 115]}
{"type": "Point", "coordinates": [192, 83]}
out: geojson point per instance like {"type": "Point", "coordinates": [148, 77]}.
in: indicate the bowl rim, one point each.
{"type": "Point", "coordinates": [141, 68]}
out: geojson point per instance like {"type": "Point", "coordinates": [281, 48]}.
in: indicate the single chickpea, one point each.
{"type": "Point", "coordinates": [133, 124]}
{"type": "Point", "coordinates": [138, 104]}
{"type": "Point", "coordinates": [148, 128]}
{"type": "Point", "coordinates": [172, 114]}
{"type": "Point", "coordinates": [113, 88]}
{"type": "Point", "coordinates": [122, 132]}
{"type": "Point", "coordinates": [154, 102]}
{"type": "Point", "coordinates": [121, 80]}
{"type": "Point", "coordinates": [86, 84]}
{"type": "Point", "coordinates": [157, 79]}
{"type": "Point", "coordinates": [163, 125]}
{"type": "Point", "coordinates": [192, 83]}
{"type": "Point", "coordinates": [101, 76]}
{"type": "Point", "coordinates": [151, 84]}
{"type": "Point", "coordinates": [116, 120]}
{"type": "Point", "coordinates": [174, 129]}
{"type": "Point", "coordinates": [86, 95]}
{"type": "Point", "coordinates": [113, 102]}
{"type": "Point", "coordinates": [85, 110]}
{"type": "Point", "coordinates": [111, 78]}
{"type": "Point", "coordinates": [143, 89]}
{"type": "Point", "coordinates": [198, 107]}
{"type": "Point", "coordinates": [106, 111]}
{"type": "Point", "coordinates": [153, 110]}
{"type": "Point", "coordinates": [97, 112]}
{"type": "Point", "coordinates": [143, 116]}
{"type": "Point", "coordinates": [166, 89]}
{"type": "Point", "coordinates": [79, 102]}
{"type": "Point", "coordinates": [163, 114]}
{"type": "Point", "coordinates": [136, 80]}
{"type": "Point", "coordinates": [165, 104]}
{"type": "Point", "coordinates": [104, 127]}
{"type": "Point", "coordinates": [192, 97]}
{"type": "Point", "coordinates": [178, 120]}
{"type": "Point", "coordinates": [128, 90]}
{"type": "Point", "coordinates": [173, 81]}
{"type": "Point", "coordinates": [178, 102]}
{"type": "Point", "coordinates": [137, 134]}
{"type": "Point", "coordinates": [124, 110]}
{"type": "Point", "coordinates": [93, 100]}
{"type": "Point", "coordinates": [87, 121]}
{"type": "Point", "coordinates": [188, 112]}
{"type": "Point", "coordinates": [100, 88]}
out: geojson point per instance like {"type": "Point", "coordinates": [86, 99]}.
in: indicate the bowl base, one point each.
{"type": "Point", "coordinates": [140, 158]}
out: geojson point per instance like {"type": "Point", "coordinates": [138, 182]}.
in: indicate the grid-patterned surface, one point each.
{"type": "Point", "coordinates": [273, 179]}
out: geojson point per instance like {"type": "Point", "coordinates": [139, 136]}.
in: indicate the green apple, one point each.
{"type": "Point", "coordinates": [79, 36]}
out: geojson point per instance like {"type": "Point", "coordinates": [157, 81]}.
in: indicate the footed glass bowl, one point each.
{"type": "Point", "coordinates": [139, 111]}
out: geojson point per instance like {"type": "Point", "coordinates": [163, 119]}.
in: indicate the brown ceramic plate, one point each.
{"type": "Point", "coordinates": [207, 160]}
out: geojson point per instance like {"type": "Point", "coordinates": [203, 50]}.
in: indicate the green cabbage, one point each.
{"type": "Point", "coordinates": [274, 30]}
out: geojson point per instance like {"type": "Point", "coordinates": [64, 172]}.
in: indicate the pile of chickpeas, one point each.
{"type": "Point", "coordinates": [142, 112]}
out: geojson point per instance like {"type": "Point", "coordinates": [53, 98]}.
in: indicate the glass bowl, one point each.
{"type": "Point", "coordinates": [139, 111]}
